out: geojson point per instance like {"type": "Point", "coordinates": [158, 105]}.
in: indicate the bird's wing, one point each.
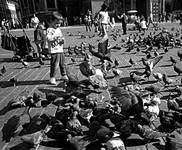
{"type": "Point", "coordinates": [156, 60]}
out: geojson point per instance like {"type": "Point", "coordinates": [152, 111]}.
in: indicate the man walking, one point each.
{"type": "Point", "coordinates": [123, 19]}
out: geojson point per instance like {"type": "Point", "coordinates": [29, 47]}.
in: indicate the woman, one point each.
{"type": "Point", "coordinates": [104, 19]}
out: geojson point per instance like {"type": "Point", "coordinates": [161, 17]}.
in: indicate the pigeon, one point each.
{"type": "Point", "coordinates": [148, 55]}
{"type": "Point", "coordinates": [178, 89]}
{"type": "Point", "coordinates": [150, 64]}
{"type": "Point", "coordinates": [158, 76]}
{"type": "Point", "coordinates": [173, 60]}
{"type": "Point", "coordinates": [109, 67]}
{"type": "Point", "coordinates": [117, 72]}
{"type": "Point", "coordinates": [116, 63]}
{"type": "Point", "coordinates": [149, 134]}
{"type": "Point", "coordinates": [24, 63]}
{"type": "Point", "coordinates": [152, 88]}
{"type": "Point", "coordinates": [135, 78]}
{"type": "Point", "coordinates": [76, 50]}
{"type": "Point", "coordinates": [100, 55]}
{"type": "Point", "coordinates": [70, 51]}
{"type": "Point", "coordinates": [156, 53]}
{"type": "Point", "coordinates": [180, 55]}
{"type": "Point", "coordinates": [172, 104]}
{"type": "Point", "coordinates": [13, 81]}
{"type": "Point", "coordinates": [132, 63]}
{"type": "Point", "coordinates": [138, 49]}
{"type": "Point", "coordinates": [73, 60]}
{"type": "Point", "coordinates": [177, 69]}
{"type": "Point", "coordinates": [168, 80]}
{"type": "Point", "coordinates": [3, 70]}
{"type": "Point", "coordinates": [166, 50]}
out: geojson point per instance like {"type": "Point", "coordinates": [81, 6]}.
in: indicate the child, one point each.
{"type": "Point", "coordinates": [55, 44]}
{"type": "Point", "coordinates": [143, 24]}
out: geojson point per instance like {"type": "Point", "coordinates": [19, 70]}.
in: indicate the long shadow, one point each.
{"type": "Point", "coordinates": [21, 146]}
{"type": "Point", "coordinates": [5, 84]}
{"type": "Point", "coordinates": [159, 146]}
{"type": "Point", "coordinates": [124, 80]}
{"type": "Point", "coordinates": [5, 60]}
{"type": "Point", "coordinates": [55, 144]}
{"type": "Point", "coordinates": [36, 82]}
{"type": "Point", "coordinates": [6, 109]}
{"type": "Point", "coordinates": [165, 66]}
{"type": "Point", "coordinates": [134, 142]}
{"type": "Point", "coordinates": [149, 82]}
{"type": "Point", "coordinates": [125, 66]}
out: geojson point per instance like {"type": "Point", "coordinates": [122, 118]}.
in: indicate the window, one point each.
{"type": "Point", "coordinates": [51, 4]}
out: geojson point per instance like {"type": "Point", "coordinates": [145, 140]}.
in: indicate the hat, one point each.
{"type": "Point", "coordinates": [57, 15]}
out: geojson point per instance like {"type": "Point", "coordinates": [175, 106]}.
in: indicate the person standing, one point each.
{"type": "Point", "coordinates": [104, 20]}
{"type": "Point", "coordinates": [143, 24]}
{"type": "Point", "coordinates": [3, 25]}
{"type": "Point", "coordinates": [34, 21]}
{"type": "Point", "coordinates": [55, 45]}
{"type": "Point", "coordinates": [39, 41]}
{"type": "Point", "coordinates": [123, 19]}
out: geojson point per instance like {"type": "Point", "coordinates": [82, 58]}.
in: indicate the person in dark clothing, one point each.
{"type": "Point", "coordinates": [39, 41]}
{"type": "Point", "coordinates": [123, 18]}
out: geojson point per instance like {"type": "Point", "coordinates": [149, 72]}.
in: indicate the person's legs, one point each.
{"type": "Point", "coordinates": [104, 32]}
{"type": "Point", "coordinates": [124, 28]}
{"type": "Point", "coordinates": [53, 67]}
{"type": "Point", "coordinates": [62, 66]}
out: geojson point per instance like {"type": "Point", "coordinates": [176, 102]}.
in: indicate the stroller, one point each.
{"type": "Point", "coordinates": [21, 46]}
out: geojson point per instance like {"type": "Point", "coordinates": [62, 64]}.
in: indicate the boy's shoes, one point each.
{"type": "Point", "coordinates": [65, 77]}
{"type": "Point", "coordinates": [53, 81]}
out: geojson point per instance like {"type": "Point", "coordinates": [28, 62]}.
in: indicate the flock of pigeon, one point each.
{"type": "Point", "coordinates": [84, 122]}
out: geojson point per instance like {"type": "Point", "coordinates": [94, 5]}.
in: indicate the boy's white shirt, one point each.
{"type": "Point", "coordinates": [52, 35]}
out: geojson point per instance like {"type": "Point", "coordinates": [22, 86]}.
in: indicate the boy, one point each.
{"type": "Point", "coordinates": [55, 45]}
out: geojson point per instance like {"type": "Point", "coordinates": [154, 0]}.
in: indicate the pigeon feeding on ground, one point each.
{"type": "Point", "coordinates": [180, 55]}
{"type": "Point", "coordinates": [24, 63]}
{"type": "Point", "coordinates": [158, 76]}
{"type": "Point", "coordinates": [174, 61]}
{"type": "Point", "coordinates": [3, 70]}
{"type": "Point", "coordinates": [177, 69]}
{"type": "Point", "coordinates": [168, 80]}
{"type": "Point", "coordinates": [13, 81]}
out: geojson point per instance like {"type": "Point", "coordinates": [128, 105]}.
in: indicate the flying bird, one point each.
{"type": "Point", "coordinates": [100, 55]}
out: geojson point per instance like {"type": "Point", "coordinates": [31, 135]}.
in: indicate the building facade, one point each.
{"type": "Point", "coordinates": [9, 10]}
{"type": "Point", "coordinates": [73, 9]}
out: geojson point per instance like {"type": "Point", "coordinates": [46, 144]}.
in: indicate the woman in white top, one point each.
{"type": "Point", "coordinates": [104, 19]}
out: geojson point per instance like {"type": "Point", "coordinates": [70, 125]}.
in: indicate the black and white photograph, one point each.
{"type": "Point", "coordinates": [90, 74]}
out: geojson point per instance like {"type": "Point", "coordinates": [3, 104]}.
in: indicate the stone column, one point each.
{"type": "Point", "coordinates": [150, 9]}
